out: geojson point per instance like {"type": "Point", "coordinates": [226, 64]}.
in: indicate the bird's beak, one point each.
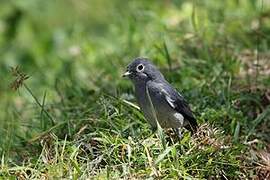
{"type": "Point", "coordinates": [126, 74]}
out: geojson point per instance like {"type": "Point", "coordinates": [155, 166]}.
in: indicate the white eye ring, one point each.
{"type": "Point", "coordinates": [140, 68]}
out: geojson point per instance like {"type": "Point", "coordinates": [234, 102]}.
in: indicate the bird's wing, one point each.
{"type": "Point", "coordinates": [177, 102]}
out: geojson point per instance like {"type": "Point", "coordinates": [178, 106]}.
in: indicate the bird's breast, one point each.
{"type": "Point", "coordinates": [145, 104]}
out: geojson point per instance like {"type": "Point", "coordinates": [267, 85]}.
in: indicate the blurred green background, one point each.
{"type": "Point", "coordinates": [215, 52]}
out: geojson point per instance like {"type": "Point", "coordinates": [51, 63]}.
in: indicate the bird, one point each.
{"type": "Point", "coordinates": [159, 101]}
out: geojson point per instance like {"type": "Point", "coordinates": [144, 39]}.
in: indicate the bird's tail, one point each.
{"type": "Point", "coordinates": [192, 126]}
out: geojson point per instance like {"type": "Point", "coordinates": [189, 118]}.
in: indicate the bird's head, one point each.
{"type": "Point", "coordinates": [142, 70]}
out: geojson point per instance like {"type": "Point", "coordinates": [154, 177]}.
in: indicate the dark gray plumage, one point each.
{"type": "Point", "coordinates": [158, 100]}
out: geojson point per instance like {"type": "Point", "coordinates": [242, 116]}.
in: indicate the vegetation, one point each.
{"type": "Point", "coordinates": [67, 113]}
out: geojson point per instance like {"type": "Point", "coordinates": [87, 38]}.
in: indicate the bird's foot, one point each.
{"type": "Point", "coordinates": [178, 134]}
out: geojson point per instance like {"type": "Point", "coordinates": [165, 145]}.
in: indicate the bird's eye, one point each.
{"type": "Point", "coordinates": [140, 68]}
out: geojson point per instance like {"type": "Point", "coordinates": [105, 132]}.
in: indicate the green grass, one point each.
{"type": "Point", "coordinates": [70, 118]}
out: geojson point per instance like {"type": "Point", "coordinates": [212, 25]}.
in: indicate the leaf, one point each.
{"type": "Point", "coordinates": [162, 156]}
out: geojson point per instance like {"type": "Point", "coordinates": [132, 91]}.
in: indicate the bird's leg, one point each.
{"type": "Point", "coordinates": [178, 133]}
{"type": "Point", "coordinates": [153, 129]}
